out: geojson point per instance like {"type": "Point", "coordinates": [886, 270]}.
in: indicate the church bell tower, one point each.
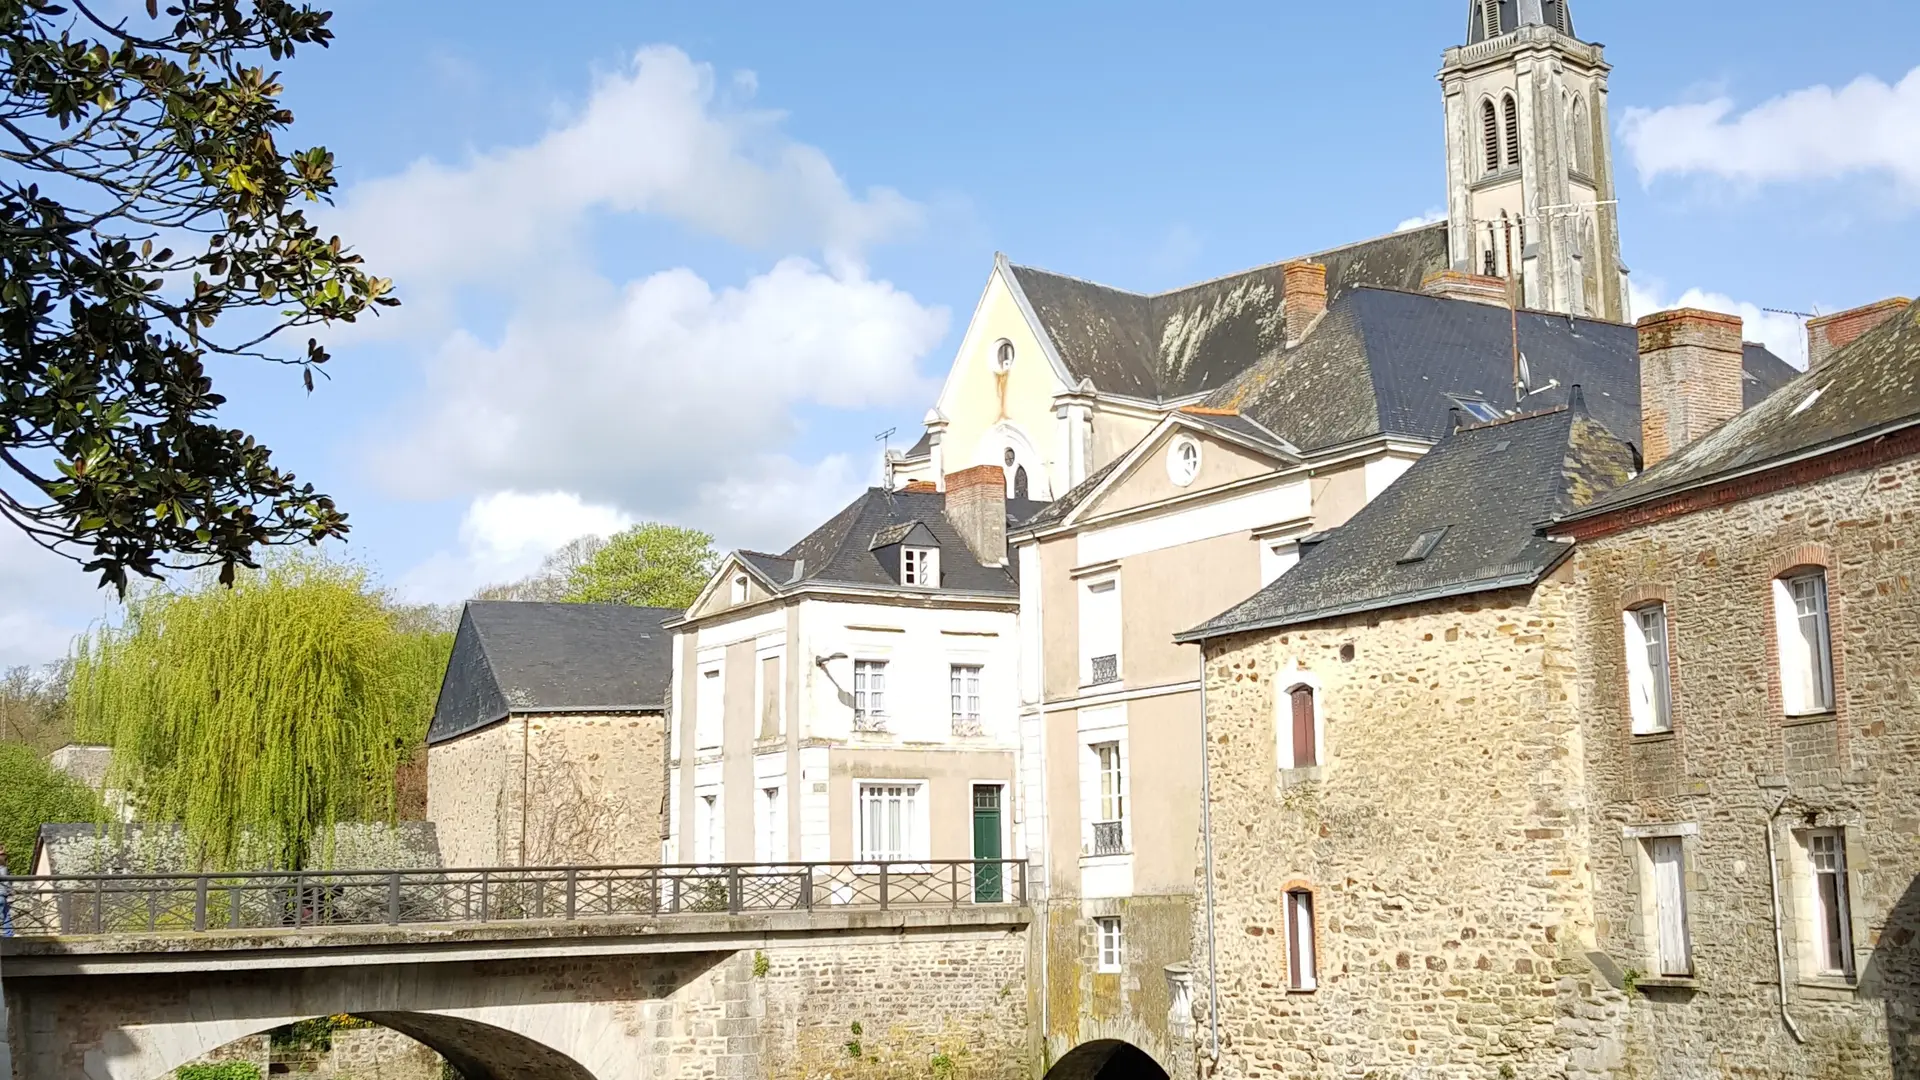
{"type": "Point", "coordinates": [1529, 169]}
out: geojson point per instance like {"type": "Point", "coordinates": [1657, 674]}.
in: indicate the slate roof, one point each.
{"type": "Point", "coordinates": [1871, 387]}
{"type": "Point", "coordinates": [1383, 361]}
{"type": "Point", "coordinates": [1189, 340]}
{"type": "Point", "coordinates": [515, 656]}
{"type": "Point", "coordinates": [1517, 13]}
{"type": "Point", "coordinates": [842, 551]}
{"type": "Point", "coordinates": [1487, 490]}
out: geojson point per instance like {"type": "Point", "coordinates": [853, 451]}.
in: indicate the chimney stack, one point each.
{"type": "Point", "coordinates": [1460, 285]}
{"type": "Point", "coordinates": [977, 507]}
{"type": "Point", "coordinates": [1305, 298]}
{"type": "Point", "coordinates": [1690, 378]}
{"type": "Point", "coordinates": [1829, 334]}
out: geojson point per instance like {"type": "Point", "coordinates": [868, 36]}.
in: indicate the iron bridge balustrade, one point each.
{"type": "Point", "coordinates": [174, 903]}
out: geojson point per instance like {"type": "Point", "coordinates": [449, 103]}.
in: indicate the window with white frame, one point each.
{"type": "Point", "coordinates": [1112, 944]}
{"type": "Point", "coordinates": [770, 826]}
{"type": "Point", "coordinates": [1110, 807]}
{"type": "Point", "coordinates": [1829, 904]}
{"type": "Point", "coordinates": [963, 684]}
{"type": "Point", "coordinates": [1664, 905]}
{"type": "Point", "coordinates": [890, 825]}
{"type": "Point", "coordinates": [740, 588]}
{"type": "Point", "coordinates": [1100, 632]}
{"type": "Point", "coordinates": [709, 829]}
{"type": "Point", "coordinates": [920, 566]}
{"type": "Point", "coordinates": [711, 699]}
{"type": "Point", "coordinates": [870, 695]}
{"type": "Point", "coordinates": [1302, 969]}
{"type": "Point", "coordinates": [1806, 645]}
{"type": "Point", "coordinates": [1649, 684]}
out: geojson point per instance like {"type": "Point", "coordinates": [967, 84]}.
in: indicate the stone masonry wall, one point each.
{"type": "Point", "coordinates": [1441, 837]}
{"type": "Point", "coordinates": [1733, 756]}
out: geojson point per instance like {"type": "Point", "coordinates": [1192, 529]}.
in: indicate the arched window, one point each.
{"type": "Point", "coordinates": [1490, 128]}
{"type": "Point", "coordinates": [1649, 685]}
{"type": "Point", "coordinates": [1582, 138]}
{"type": "Point", "coordinates": [1513, 131]}
{"type": "Point", "coordinates": [1305, 730]}
{"type": "Point", "coordinates": [1805, 641]}
{"type": "Point", "coordinates": [1020, 482]}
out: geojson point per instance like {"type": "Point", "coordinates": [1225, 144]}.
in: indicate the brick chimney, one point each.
{"type": "Point", "coordinates": [1828, 334]}
{"type": "Point", "coordinates": [1690, 375]}
{"type": "Point", "coordinates": [1460, 285]}
{"type": "Point", "coordinates": [1305, 299]}
{"type": "Point", "coordinates": [977, 507]}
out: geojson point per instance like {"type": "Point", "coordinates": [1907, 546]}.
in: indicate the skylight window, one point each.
{"type": "Point", "coordinates": [1482, 410]}
{"type": "Point", "coordinates": [1423, 545]}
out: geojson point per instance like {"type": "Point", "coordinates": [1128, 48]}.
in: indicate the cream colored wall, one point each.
{"type": "Point", "coordinates": [740, 725]}
{"type": "Point", "coordinates": [571, 789]}
{"type": "Point", "coordinates": [1163, 735]}
{"type": "Point", "coordinates": [1173, 589]}
{"type": "Point", "coordinates": [976, 397]}
{"type": "Point", "coordinates": [1148, 482]}
{"type": "Point", "coordinates": [473, 794]}
{"type": "Point", "coordinates": [950, 776]}
{"type": "Point", "coordinates": [1062, 733]}
{"type": "Point", "coordinates": [1060, 617]}
{"type": "Point", "coordinates": [1115, 433]}
{"type": "Point", "coordinates": [1338, 494]}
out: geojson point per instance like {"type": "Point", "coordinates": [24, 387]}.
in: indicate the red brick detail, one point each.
{"type": "Point", "coordinates": [1304, 295]}
{"type": "Point", "coordinates": [1690, 378]}
{"type": "Point", "coordinates": [1286, 939]}
{"type": "Point", "coordinates": [1460, 285]}
{"type": "Point", "coordinates": [1794, 558]}
{"type": "Point", "coordinates": [1828, 334]}
{"type": "Point", "coordinates": [921, 487]}
{"type": "Point", "coordinates": [1866, 455]}
{"type": "Point", "coordinates": [1801, 555]}
{"type": "Point", "coordinates": [1634, 596]}
{"type": "Point", "coordinates": [978, 476]}
{"type": "Point", "coordinates": [1202, 410]}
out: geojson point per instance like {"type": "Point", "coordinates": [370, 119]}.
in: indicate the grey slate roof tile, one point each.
{"type": "Point", "coordinates": [1871, 385]}
{"type": "Point", "coordinates": [513, 656]}
{"type": "Point", "coordinates": [1189, 340]}
{"type": "Point", "coordinates": [841, 550]}
{"type": "Point", "coordinates": [1383, 361]}
{"type": "Point", "coordinates": [1487, 491]}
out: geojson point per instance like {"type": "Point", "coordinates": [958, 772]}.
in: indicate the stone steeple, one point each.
{"type": "Point", "coordinates": [1530, 188]}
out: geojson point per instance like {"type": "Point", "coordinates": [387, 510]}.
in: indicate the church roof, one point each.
{"type": "Point", "coordinates": [1466, 518]}
{"type": "Point", "coordinates": [1391, 362]}
{"type": "Point", "coordinates": [1513, 14]}
{"type": "Point", "coordinates": [1192, 339]}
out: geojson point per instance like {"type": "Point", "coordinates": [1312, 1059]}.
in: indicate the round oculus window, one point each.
{"type": "Point", "coordinates": [1183, 460]}
{"type": "Point", "coordinates": [1003, 356]}
{"type": "Point", "coordinates": [1010, 457]}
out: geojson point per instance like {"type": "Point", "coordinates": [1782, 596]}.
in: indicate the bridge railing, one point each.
{"type": "Point", "coordinates": [158, 903]}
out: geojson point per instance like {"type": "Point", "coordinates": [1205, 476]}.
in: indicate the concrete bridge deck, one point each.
{"type": "Point", "coordinates": [771, 983]}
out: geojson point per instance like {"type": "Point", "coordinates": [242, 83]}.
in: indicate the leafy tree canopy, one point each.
{"type": "Point", "coordinates": [149, 219]}
{"type": "Point", "coordinates": [33, 707]}
{"type": "Point", "coordinates": [647, 565]}
{"type": "Point", "coordinates": [269, 710]}
{"type": "Point", "coordinates": [34, 793]}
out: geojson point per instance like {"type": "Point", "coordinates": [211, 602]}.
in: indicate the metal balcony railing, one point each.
{"type": "Point", "coordinates": [1106, 669]}
{"type": "Point", "coordinates": [1109, 838]}
{"type": "Point", "coordinates": [188, 903]}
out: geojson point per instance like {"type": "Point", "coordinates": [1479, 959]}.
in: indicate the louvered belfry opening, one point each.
{"type": "Point", "coordinates": [1513, 131]}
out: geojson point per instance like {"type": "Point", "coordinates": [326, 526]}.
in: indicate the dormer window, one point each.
{"type": "Point", "coordinates": [739, 588]}
{"type": "Point", "coordinates": [920, 566]}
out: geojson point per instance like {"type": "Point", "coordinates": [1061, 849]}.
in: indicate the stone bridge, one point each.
{"type": "Point", "coordinates": [569, 974]}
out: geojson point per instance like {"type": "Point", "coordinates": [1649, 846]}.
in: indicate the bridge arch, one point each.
{"type": "Point", "coordinates": [478, 1050]}
{"type": "Point", "coordinates": [1107, 1059]}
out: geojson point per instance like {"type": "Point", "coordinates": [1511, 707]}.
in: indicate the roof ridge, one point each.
{"type": "Point", "coordinates": [1543, 313]}
{"type": "Point", "coordinates": [1515, 418]}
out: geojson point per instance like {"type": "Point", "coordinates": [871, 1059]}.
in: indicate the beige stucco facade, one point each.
{"type": "Point", "coordinates": [550, 790]}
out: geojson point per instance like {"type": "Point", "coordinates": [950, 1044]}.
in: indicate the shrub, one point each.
{"type": "Point", "coordinates": [34, 793]}
{"type": "Point", "coordinates": [225, 1070]}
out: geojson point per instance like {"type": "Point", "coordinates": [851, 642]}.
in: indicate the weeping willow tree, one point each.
{"type": "Point", "coordinates": [259, 715]}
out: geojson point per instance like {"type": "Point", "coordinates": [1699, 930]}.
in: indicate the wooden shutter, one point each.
{"type": "Point", "coordinates": [1670, 906]}
{"type": "Point", "coordinates": [1305, 752]}
{"type": "Point", "coordinates": [1490, 126]}
{"type": "Point", "coordinates": [1513, 132]}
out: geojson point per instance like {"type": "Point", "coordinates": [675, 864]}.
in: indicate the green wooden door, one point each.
{"type": "Point", "coordinates": [989, 876]}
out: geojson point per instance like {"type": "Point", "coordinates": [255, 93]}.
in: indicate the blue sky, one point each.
{"type": "Point", "coordinates": [681, 261]}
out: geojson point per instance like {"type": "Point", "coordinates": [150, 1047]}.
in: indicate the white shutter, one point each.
{"type": "Point", "coordinates": [1796, 663]}
{"type": "Point", "coordinates": [1639, 676]}
{"type": "Point", "coordinates": [1670, 905]}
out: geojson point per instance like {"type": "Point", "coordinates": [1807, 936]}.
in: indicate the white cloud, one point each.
{"type": "Point", "coordinates": [503, 537]}
{"type": "Point", "coordinates": [653, 139]}
{"type": "Point", "coordinates": [1784, 334]}
{"type": "Point", "coordinates": [665, 395]}
{"type": "Point", "coordinates": [1428, 218]}
{"type": "Point", "coordinates": [1816, 133]}
{"type": "Point", "coordinates": [44, 601]}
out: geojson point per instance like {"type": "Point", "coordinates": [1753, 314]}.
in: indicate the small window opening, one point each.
{"type": "Point", "coordinates": [1112, 945]}
{"type": "Point", "coordinates": [1306, 743]}
{"type": "Point", "coordinates": [1513, 132]}
{"type": "Point", "coordinates": [919, 566]}
{"type": "Point", "coordinates": [1832, 912]}
{"type": "Point", "coordinates": [1020, 482]}
{"type": "Point", "coordinates": [1490, 127]}
{"type": "Point", "coordinates": [1302, 966]}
